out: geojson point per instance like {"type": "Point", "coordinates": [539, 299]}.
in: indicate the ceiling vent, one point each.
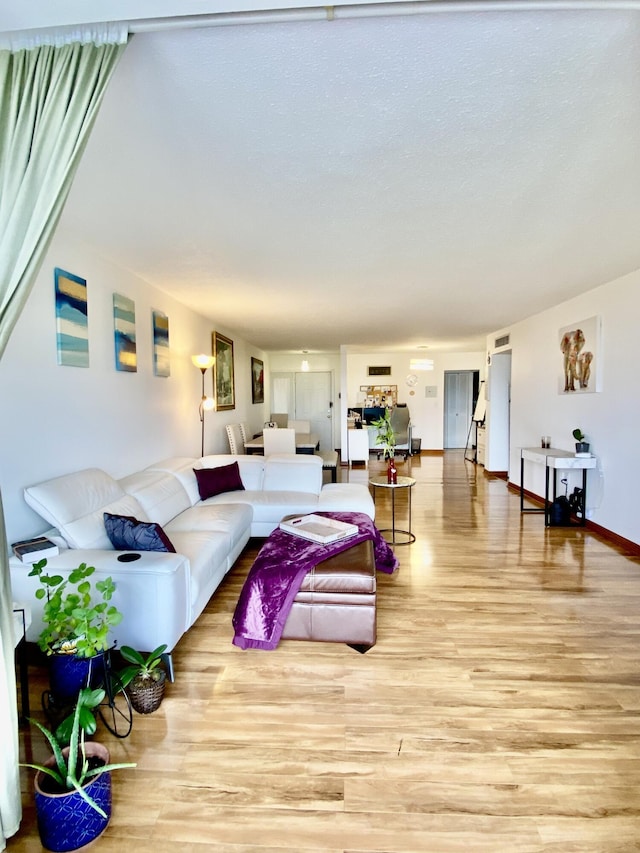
{"type": "Point", "coordinates": [502, 342]}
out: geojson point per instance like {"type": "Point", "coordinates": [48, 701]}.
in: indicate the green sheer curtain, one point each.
{"type": "Point", "coordinates": [51, 88]}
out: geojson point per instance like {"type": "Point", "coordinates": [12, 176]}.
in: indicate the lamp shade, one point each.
{"type": "Point", "coordinates": [203, 361]}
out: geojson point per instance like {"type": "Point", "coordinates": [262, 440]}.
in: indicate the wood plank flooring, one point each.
{"type": "Point", "coordinates": [499, 710]}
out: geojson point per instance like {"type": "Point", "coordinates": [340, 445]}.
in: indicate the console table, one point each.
{"type": "Point", "coordinates": [554, 460]}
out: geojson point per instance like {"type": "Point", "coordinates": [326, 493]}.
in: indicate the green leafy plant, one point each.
{"type": "Point", "coordinates": [386, 437]}
{"type": "Point", "coordinates": [72, 770]}
{"type": "Point", "coordinates": [143, 670]}
{"type": "Point", "coordinates": [73, 622]}
{"type": "Point", "coordinates": [578, 434]}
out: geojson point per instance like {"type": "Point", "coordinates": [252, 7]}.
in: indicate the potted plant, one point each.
{"type": "Point", "coordinates": [73, 788]}
{"type": "Point", "coordinates": [144, 679]}
{"type": "Point", "coordinates": [77, 620]}
{"type": "Point", "coordinates": [386, 438]}
{"type": "Point", "coordinates": [582, 446]}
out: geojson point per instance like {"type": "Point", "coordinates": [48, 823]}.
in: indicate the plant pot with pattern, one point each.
{"type": "Point", "coordinates": [77, 619]}
{"type": "Point", "coordinates": [144, 679]}
{"type": "Point", "coordinates": [73, 787]}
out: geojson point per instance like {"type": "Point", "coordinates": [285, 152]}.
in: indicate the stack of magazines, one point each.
{"type": "Point", "coordinates": [32, 550]}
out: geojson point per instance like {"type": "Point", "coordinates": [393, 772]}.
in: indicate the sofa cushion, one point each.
{"type": "Point", "coordinates": [216, 481]}
{"type": "Point", "coordinates": [127, 533]}
{"type": "Point", "coordinates": [181, 467]}
{"type": "Point", "coordinates": [346, 497]}
{"type": "Point", "coordinates": [232, 519]}
{"type": "Point", "coordinates": [270, 506]}
{"type": "Point", "coordinates": [159, 493]}
{"type": "Point", "coordinates": [74, 503]}
{"type": "Point", "coordinates": [207, 554]}
{"type": "Point", "coordinates": [293, 472]}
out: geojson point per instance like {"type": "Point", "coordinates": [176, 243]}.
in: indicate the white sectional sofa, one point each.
{"type": "Point", "coordinates": [161, 594]}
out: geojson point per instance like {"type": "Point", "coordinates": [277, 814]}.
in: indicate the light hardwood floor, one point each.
{"type": "Point", "coordinates": [499, 710]}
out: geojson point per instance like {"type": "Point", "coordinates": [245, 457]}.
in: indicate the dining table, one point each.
{"type": "Point", "coordinates": [306, 442]}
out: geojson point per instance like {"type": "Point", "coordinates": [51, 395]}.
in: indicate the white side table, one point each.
{"type": "Point", "coordinates": [21, 621]}
{"type": "Point", "coordinates": [555, 460]}
{"type": "Point", "coordinates": [402, 483]}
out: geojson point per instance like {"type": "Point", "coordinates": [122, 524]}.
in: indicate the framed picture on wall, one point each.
{"type": "Point", "coordinates": [72, 333]}
{"type": "Point", "coordinates": [223, 372]}
{"type": "Point", "coordinates": [161, 361]}
{"type": "Point", "coordinates": [124, 332]}
{"type": "Point", "coordinates": [257, 380]}
{"type": "Point", "coordinates": [580, 357]}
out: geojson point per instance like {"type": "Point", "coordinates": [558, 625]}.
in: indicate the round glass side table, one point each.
{"type": "Point", "coordinates": [398, 536]}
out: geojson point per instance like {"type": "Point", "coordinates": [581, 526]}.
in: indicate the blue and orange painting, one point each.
{"type": "Point", "coordinates": [124, 322]}
{"type": "Point", "coordinates": [72, 331]}
{"type": "Point", "coordinates": [161, 363]}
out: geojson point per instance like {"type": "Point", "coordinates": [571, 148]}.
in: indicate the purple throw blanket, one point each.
{"type": "Point", "coordinates": [277, 574]}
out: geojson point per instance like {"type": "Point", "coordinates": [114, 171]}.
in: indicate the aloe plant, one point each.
{"type": "Point", "coordinates": [72, 771]}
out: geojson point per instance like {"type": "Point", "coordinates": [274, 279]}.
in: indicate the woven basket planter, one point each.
{"type": "Point", "coordinates": [146, 696]}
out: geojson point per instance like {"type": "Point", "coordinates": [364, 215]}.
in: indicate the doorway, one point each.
{"type": "Point", "coordinates": [309, 397]}
{"type": "Point", "coordinates": [313, 403]}
{"type": "Point", "coordinates": [460, 391]}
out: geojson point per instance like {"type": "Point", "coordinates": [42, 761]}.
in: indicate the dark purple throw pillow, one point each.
{"type": "Point", "coordinates": [126, 533]}
{"type": "Point", "coordinates": [215, 481]}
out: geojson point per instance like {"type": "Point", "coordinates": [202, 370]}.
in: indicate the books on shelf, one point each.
{"type": "Point", "coordinates": [317, 528]}
{"type": "Point", "coordinates": [32, 550]}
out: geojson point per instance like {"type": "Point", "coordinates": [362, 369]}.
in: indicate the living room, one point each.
{"type": "Point", "coordinates": [60, 418]}
{"type": "Point", "coordinates": [71, 418]}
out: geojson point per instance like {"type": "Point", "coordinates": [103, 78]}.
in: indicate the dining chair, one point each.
{"type": "Point", "coordinates": [279, 441]}
{"type": "Point", "coordinates": [300, 426]}
{"type": "Point", "coordinates": [236, 440]}
{"type": "Point", "coordinates": [280, 418]}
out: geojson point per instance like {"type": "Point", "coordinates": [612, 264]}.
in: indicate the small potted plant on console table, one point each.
{"type": "Point", "coordinates": [582, 446]}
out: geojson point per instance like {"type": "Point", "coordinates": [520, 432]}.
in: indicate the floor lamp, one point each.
{"type": "Point", "coordinates": [203, 363]}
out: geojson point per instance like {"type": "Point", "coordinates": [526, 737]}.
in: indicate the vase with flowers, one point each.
{"type": "Point", "coordinates": [386, 439]}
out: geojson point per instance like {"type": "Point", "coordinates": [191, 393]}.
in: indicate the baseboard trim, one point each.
{"type": "Point", "coordinates": [626, 545]}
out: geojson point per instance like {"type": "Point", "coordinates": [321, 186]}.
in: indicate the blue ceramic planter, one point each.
{"type": "Point", "coordinates": [68, 674]}
{"type": "Point", "coordinates": [66, 821]}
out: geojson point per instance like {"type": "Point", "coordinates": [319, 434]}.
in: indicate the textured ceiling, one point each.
{"type": "Point", "coordinates": [383, 182]}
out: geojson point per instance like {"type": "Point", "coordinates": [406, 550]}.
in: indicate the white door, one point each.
{"type": "Point", "coordinates": [458, 400]}
{"type": "Point", "coordinates": [313, 403]}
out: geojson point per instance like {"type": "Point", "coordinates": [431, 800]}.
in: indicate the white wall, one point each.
{"type": "Point", "coordinates": [609, 418]}
{"type": "Point", "coordinates": [59, 419]}
{"type": "Point", "coordinates": [427, 413]}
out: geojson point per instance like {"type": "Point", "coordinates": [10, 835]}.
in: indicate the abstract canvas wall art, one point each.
{"type": "Point", "coordinates": [124, 322]}
{"type": "Point", "coordinates": [72, 331]}
{"type": "Point", "coordinates": [161, 361]}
